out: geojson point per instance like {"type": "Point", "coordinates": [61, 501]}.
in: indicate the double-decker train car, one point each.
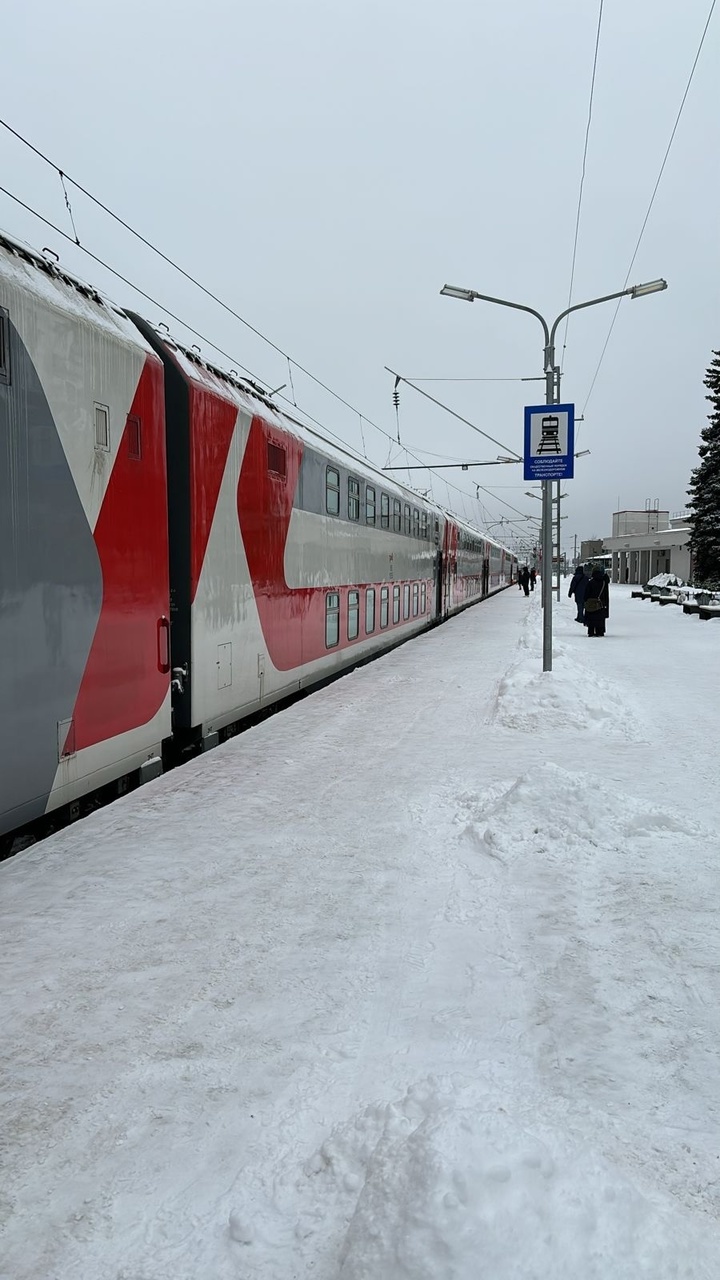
{"type": "Point", "coordinates": [177, 554]}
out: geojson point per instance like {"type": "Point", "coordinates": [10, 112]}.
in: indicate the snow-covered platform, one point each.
{"type": "Point", "coordinates": [417, 980]}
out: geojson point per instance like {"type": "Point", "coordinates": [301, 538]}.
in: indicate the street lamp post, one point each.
{"type": "Point", "coordinates": [552, 396]}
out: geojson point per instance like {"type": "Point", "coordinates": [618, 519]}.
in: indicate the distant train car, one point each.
{"type": "Point", "coordinates": [177, 554]}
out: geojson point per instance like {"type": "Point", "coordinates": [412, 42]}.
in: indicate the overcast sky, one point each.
{"type": "Point", "coordinates": [327, 165]}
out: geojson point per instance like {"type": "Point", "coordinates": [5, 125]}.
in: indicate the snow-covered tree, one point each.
{"type": "Point", "coordinates": [704, 491]}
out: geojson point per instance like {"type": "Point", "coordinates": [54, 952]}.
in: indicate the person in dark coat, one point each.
{"type": "Point", "coordinates": [533, 579]}
{"type": "Point", "coordinates": [597, 614]}
{"type": "Point", "coordinates": [578, 587]}
{"type": "Point", "coordinates": [524, 579]}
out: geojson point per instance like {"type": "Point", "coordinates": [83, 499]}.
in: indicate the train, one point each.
{"type": "Point", "coordinates": [177, 553]}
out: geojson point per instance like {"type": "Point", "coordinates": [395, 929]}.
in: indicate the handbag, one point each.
{"type": "Point", "coordinates": [595, 604]}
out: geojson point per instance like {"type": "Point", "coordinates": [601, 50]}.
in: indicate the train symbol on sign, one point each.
{"type": "Point", "coordinates": [549, 435]}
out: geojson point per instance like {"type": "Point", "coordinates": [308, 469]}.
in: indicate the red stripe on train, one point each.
{"type": "Point", "coordinates": [122, 686]}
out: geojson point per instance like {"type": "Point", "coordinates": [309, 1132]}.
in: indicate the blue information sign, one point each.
{"type": "Point", "coordinates": [549, 441]}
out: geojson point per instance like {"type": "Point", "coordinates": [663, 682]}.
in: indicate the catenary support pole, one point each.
{"type": "Point", "coordinates": [547, 536]}
{"type": "Point", "coordinates": [557, 535]}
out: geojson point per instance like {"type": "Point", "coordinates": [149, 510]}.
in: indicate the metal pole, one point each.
{"type": "Point", "coordinates": [556, 388]}
{"type": "Point", "coordinates": [547, 525]}
{"type": "Point", "coordinates": [557, 519]}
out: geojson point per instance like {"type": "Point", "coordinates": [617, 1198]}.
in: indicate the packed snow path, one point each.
{"type": "Point", "coordinates": [416, 981]}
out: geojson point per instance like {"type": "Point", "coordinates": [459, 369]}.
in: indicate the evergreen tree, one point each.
{"type": "Point", "coordinates": [704, 491]}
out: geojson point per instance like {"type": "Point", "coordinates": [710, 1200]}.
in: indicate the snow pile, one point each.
{"type": "Point", "coordinates": [447, 1183]}
{"type": "Point", "coordinates": [553, 814]}
{"type": "Point", "coordinates": [572, 696]}
{"type": "Point", "coordinates": [665, 580]}
{"type": "Point", "coordinates": [455, 1190]}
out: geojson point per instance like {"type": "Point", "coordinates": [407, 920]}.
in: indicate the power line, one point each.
{"type": "Point", "coordinates": [399, 378]}
{"type": "Point", "coordinates": [582, 174]}
{"type": "Point", "coordinates": [171, 263]}
{"type": "Point", "coordinates": [476, 379]}
{"type": "Point", "coordinates": [196, 333]}
{"type": "Point", "coordinates": [506, 504]}
{"type": "Point", "coordinates": [179, 320]}
{"type": "Point", "coordinates": [652, 198]}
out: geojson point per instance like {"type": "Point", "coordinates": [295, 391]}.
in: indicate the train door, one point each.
{"type": "Point", "coordinates": [438, 572]}
{"type": "Point", "coordinates": [450, 561]}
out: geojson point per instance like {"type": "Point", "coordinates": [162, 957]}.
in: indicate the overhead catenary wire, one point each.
{"type": "Point", "coordinates": [507, 504]}
{"type": "Point", "coordinates": [190, 328]}
{"type": "Point", "coordinates": [399, 378]}
{"type": "Point", "coordinates": [186, 325]}
{"type": "Point", "coordinates": [652, 199]}
{"type": "Point", "coordinates": [582, 174]}
{"type": "Point", "coordinates": [68, 205]}
{"type": "Point", "coordinates": [414, 379]}
{"type": "Point", "coordinates": [171, 263]}
{"type": "Point", "coordinates": [198, 284]}
{"type": "Point", "coordinates": [209, 342]}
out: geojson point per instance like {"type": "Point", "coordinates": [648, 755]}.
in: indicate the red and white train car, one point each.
{"type": "Point", "coordinates": [84, 604]}
{"type": "Point", "coordinates": [176, 553]}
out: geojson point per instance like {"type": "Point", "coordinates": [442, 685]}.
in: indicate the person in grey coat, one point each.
{"type": "Point", "coordinates": [578, 587]}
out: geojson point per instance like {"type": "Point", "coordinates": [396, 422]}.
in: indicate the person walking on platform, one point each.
{"type": "Point", "coordinates": [533, 579]}
{"type": "Point", "coordinates": [597, 603]}
{"type": "Point", "coordinates": [524, 579]}
{"type": "Point", "coordinates": [578, 587]}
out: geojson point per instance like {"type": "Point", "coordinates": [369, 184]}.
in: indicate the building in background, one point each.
{"type": "Point", "coordinates": [590, 549]}
{"type": "Point", "coordinates": [645, 543]}
{"type": "Point", "coordinates": [632, 522]}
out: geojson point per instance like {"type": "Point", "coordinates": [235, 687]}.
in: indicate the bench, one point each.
{"type": "Point", "coordinates": [691, 608]}
{"type": "Point", "coordinates": [708, 611]}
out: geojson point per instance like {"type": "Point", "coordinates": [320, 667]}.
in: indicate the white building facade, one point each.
{"type": "Point", "coordinates": [645, 543]}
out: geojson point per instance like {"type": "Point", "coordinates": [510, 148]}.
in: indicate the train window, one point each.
{"type": "Point", "coordinates": [416, 598]}
{"type": "Point", "coordinates": [397, 515]}
{"type": "Point", "coordinates": [332, 492]}
{"type": "Point", "coordinates": [406, 513]}
{"type": "Point", "coordinates": [369, 505]}
{"type": "Point", "coordinates": [353, 627]}
{"type": "Point", "coordinates": [4, 346]}
{"type": "Point", "coordinates": [384, 511]}
{"type": "Point", "coordinates": [423, 598]}
{"type": "Point", "coordinates": [102, 427]}
{"type": "Point", "coordinates": [384, 606]}
{"type": "Point", "coordinates": [406, 600]}
{"type": "Point", "coordinates": [437, 532]}
{"type": "Point", "coordinates": [353, 498]}
{"type": "Point", "coordinates": [396, 604]}
{"type": "Point", "coordinates": [332, 619]}
{"type": "Point", "coordinates": [416, 523]}
{"type": "Point", "coordinates": [370, 610]}
{"type": "Point", "coordinates": [134, 437]}
{"type": "Point", "coordinates": [276, 459]}
{"type": "Point", "coordinates": [424, 525]}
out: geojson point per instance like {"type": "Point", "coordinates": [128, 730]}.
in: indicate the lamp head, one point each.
{"type": "Point", "coordinates": [653, 286]}
{"type": "Point", "coordinates": [452, 291]}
